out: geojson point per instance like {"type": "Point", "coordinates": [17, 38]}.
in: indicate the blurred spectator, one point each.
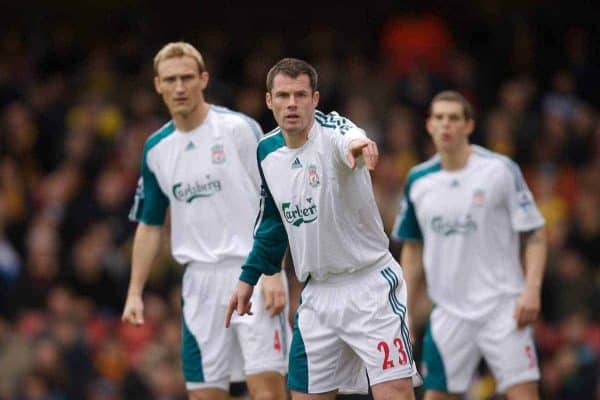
{"type": "Point", "coordinates": [10, 268]}
{"type": "Point", "coordinates": [13, 194]}
{"type": "Point", "coordinates": [15, 359]}
{"type": "Point", "coordinates": [584, 235]}
{"type": "Point", "coordinates": [42, 268]}
{"type": "Point", "coordinates": [89, 275]}
{"type": "Point", "coordinates": [48, 360]}
{"type": "Point", "coordinates": [35, 385]}
{"type": "Point", "coordinates": [561, 101]}
{"type": "Point", "coordinates": [416, 40]}
{"type": "Point", "coordinates": [360, 110]}
{"type": "Point", "coordinates": [515, 103]}
{"type": "Point", "coordinates": [568, 274]}
{"type": "Point", "coordinates": [76, 355]}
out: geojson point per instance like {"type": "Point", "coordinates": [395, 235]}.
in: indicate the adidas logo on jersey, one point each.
{"type": "Point", "coordinates": [296, 163]}
{"type": "Point", "coordinates": [190, 146]}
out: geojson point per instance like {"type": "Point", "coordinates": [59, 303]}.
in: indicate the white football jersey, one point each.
{"type": "Point", "coordinates": [209, 179]}
{"type": "Point", "coordinates": [469, 221]}
{"type": "Point", "coordinates": [312, 196]}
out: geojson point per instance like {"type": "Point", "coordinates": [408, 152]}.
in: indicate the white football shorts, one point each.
{"type": "Point", "coordinates": [350, 326]}
{"type": "Point", "coordinates": [213, 356]}
{"type": "Point", "coordinates": [453, 348]}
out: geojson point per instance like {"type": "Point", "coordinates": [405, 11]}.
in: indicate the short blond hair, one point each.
{"type": "Point", "coordinates": [178, 49]}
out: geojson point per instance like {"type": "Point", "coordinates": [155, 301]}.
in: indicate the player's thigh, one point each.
{"type": "Point", "coordinates": [376, 326]}
{"type": "Point", "coordinates": [266, 386]}
{"type": "Point", "coordinates": [397, 389]}
{"type": "Point", "coordinates": [317, 396]}
{"type": "Point", "coordinates": [523, 391]}
{"type": "Point", "coordinates": [509, 352]}
{"type": "Point", "coordinates": [450, 353]}
{"type": "Point", "coordinates": [436, 395]}
{"type": "Point", "coordinates": [208, 394]}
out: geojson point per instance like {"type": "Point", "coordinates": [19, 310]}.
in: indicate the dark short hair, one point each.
{"type": "Point", "coordinates": [451, 95]}
{"type": "Point", "coordinates": [293, 68]}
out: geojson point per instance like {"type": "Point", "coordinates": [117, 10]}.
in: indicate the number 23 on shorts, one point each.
{"type": "Point", "coordinates": [388, 362]}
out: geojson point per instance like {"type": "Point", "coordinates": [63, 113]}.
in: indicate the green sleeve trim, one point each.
{"type": "Point", "coordinates": [335, 121]}
{"type": "Point", "coordinates": [150, 202]}
{"type": "Point", "coordinates": [269, 144]}
{"type": "Point", "coordinates": [270, 240]}
{"type": "Point", "coordinates": [407, 225]}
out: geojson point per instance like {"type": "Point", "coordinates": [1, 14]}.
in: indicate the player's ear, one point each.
{"type": "Point", "coordinates": [269, 100]}
{"type": "Point", "coordinates": [470, 126]}
{"type": "Point", "coordinates": [428, 125]}
{"type": "Point", "coordinates": [204, 78]}
{"type": "Point", "coordinates": [315, 98]}
{"type": "Point", "coordinates": [157, 84]}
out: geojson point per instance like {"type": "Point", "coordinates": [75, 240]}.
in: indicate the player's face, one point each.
{"type": "Point", "coordinates": [293, 103]}
{"type": "Point", "coordinates": [448, 126]}
{"type": "Point", "coordinates": [181, 85]}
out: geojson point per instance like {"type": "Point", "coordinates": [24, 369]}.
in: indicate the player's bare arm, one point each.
{"type": "Point", "coordinates": [411, 260]}
{"type": "Point", "coordinates": [146, 244]}
{"type": "Point", "coordinates": [365, 148]}
{"type": "Point", "coordinates": [534, 260]}
{"type": "Point", "coordinates": [239, 301]}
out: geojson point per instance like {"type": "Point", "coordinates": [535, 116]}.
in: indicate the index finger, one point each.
{"type": "Point", "coordinates": [278, 304]}
{"type": "Point", "coordinates": [269, 299]}
{"type": "Point", "coordinates": [232, 306]}
{"type": "Point", "coordinates": [520, 318]}
{"type": "Point", "coordinates": [371, 156]}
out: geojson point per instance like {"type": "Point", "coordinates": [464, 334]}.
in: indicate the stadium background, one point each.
{"type": "Point", "coordinates": [76, 104]}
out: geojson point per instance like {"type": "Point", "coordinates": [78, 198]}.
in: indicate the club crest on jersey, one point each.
{"type": "Point", "coordinates": [298, 214]}
{"type": "Point", "coordinates": [218, 154]}
{"type": "Point", "coordinates": [478, 197]}
{"type": "Point", "coordinates": [313, 176]}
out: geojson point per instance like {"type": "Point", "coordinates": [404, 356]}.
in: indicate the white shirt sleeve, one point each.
{"type": "Point", "coordinates": [524, 214]}
{"type": "Point", "coordinates": [247, 135]}
{"type": "Point", "coordinates": [343, 142]}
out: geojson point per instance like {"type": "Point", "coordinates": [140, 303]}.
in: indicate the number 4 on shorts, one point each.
{"type": "Point", "coordinates": [277, 341]}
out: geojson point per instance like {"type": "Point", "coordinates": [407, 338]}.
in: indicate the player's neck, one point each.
{"type": "Point", "coordinates": [189, 122]}
{"type": "Point", "coordinates": [456, 159]}
{"type": "Point", "coordinates": [296, 139]}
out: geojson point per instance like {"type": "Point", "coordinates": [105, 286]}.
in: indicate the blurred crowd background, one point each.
{"type": "Point", "coordinates": [77, 103]}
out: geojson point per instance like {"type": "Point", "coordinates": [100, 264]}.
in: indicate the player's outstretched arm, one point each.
{"type": "Point", "coordinates": [365, 147]}
{"type": "Point", "coordinates": [239, 301]}
{"type": "Point", "coordinates": [273, 292]}
{"type": "Point", "coordinates": [146, 244]}
{"type": "Point", "coordinates": [534, 254]}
